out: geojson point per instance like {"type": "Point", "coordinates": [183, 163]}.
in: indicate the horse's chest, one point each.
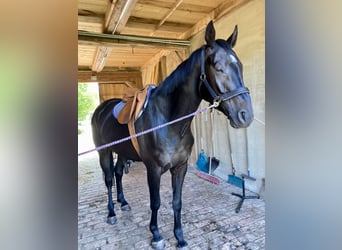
{"type": "Point", "coordinates": [174, 151]}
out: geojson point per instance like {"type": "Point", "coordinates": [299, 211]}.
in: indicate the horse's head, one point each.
{"type": "Point", "coordinates": [223, 69]}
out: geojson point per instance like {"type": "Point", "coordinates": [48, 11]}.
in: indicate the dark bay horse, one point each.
{"type": "Point", "coordinates": [213, 73]}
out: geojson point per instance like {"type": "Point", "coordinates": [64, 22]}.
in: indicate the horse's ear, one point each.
{"type": "Point", "coordinates": [233, 37]}
{"type": "Point", "coordinates": [210, 34]}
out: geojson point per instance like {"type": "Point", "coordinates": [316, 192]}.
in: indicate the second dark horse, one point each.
{"type": "Point", "coordinates": [213, 73]}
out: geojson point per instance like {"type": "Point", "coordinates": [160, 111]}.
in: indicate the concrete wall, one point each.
{"type": "Point", "coordinates": [247, 145]}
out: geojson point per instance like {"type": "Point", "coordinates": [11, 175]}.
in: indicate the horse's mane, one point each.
{"type": "Point", "coordinates": [179, 75]}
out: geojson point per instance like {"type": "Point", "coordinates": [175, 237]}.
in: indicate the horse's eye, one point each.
{"type": "Point", "coordinates": [218, 67]}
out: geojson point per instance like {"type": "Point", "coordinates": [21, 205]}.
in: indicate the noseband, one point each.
{"type": "Point", "coordinates": [218, 98]}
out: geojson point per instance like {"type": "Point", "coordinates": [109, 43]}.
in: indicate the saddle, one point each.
{"type": "Point", "coordinates": [134, 101]}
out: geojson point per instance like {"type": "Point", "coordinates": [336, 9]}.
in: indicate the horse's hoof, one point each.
{"type": "Point", "coordinates": [182, 245]}
{"type": "Point", "coordinates": [126, 208]}
{"type": "Point", "coordinates": [111, 220]}
{"type": "Point", "coordinates": [158, 245]}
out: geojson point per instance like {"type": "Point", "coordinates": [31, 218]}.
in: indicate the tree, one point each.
{"type": "Point", "coordinates": [86, 102]}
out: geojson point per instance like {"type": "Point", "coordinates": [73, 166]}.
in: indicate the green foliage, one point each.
{"type": "Point", "coordinates": [86, 102]}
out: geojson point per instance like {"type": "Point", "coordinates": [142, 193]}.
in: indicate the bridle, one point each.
{"type": "Point", "coordinates": [218, 98]}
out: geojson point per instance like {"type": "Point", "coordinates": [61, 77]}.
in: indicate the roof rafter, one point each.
{"type": "Point", "coordinates": [217, 13]}
{"type": "Point", "coordinates": [175, 6]}
{"type": "Point", "coordinates": [117, 14]}
{"type": "Point", "coordinates": [100, 58]}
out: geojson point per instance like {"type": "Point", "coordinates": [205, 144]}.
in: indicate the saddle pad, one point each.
{"type": "Point", "coordinates": [118, 107]}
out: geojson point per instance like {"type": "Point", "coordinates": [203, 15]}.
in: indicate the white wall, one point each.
{"type": "Point", "coordinates": [250, 48]}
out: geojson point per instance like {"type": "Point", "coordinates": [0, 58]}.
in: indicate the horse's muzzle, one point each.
{"type": "Point", "coordinates": [244, 118]}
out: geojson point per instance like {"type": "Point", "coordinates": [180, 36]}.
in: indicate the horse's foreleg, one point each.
{"type": "Point", "coordinates": [118, 177]}
{"type": "Point", "coordinates": [153, 178]}
{"type": "Point", "coordinates": [107, 165]}
{"type": "Point", "coordinates": [178, 174]}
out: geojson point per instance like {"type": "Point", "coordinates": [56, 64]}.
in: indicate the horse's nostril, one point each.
{"type": "Point", "coordinates": [242, 116]}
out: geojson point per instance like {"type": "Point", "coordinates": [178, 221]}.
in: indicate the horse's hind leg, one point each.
{"type": "Point", "coordinates": [107, 165]}
{"type": "Point", "coordinates": [120, 164]}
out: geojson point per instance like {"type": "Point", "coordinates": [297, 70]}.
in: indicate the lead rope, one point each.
{"type": "Point", "coordinates": [214, 105]}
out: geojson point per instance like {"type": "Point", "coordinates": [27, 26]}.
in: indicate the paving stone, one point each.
{"type": "Point", "coordinates": [208, 215]}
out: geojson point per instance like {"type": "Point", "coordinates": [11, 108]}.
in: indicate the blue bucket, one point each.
{"type": "Point", "coordinates": [203, 163]}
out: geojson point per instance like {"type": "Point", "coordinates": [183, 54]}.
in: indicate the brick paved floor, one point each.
{"type": "Point", "coordinates": [208, 215]}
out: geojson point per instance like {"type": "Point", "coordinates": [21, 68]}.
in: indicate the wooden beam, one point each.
{"type": "Point", "coordinates": [102, 51]}
{"type": "Point", "coordinates": [224, 8]}
{"type": "Point", "coordinates": [100, 58]}
{"type": "Point", "coordinates": [173, 9]}
{"type": "Point", "coordinates": [132, 77]}
{"type": "Point", "coordinates": [107, 40]}
{"type": "Point", "coordinates": [109, 13]}
{"type": "Point", "coordinates": [181, 57]}
{"type": "Point", "coordinates": [90, 23]}
{"type": "Point", "coordinates": [142, 27]}
{"type": "Point", "coordinates": [169, 13]}
{"type": "Point", "coordinates": [156, 58]}
{"type": "Point", "coordinates": [118, 17]}
{"type": "Point", "coordinates": [162, 69]}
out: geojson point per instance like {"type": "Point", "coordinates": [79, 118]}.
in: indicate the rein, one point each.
{"type": "Point", "coordinates": [214, 105]}
{"type": "Point", "coordinates": [218, 98]}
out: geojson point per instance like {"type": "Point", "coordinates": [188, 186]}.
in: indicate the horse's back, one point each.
{"type": "Point", "coordinates": [103, 109]}
{"type": "Point", "coordinates": [101, 115]}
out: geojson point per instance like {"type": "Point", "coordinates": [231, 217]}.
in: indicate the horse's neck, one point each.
{"type": "Point", "coordinates": [188, 99]}
{"type": "Point", "coordinates": [185, 98]}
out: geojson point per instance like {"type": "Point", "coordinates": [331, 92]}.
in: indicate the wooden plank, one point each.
{"type": "Point", "coordinates": [143, 27]}
{"type": "Point", "coordinates": [133, 77]}
{"type": "Point", "coordinates": [100, 58]}
{"type": "Point", "coordinates": [114, 90]}
{"type": "Point", "coordinates": [86, 55]}
{"type": "Point", "coordinates": [207, 4]}
{"type": "Point", "coordinates": [90, 23]}
{"type": "Point", "coordinates": [91, 6]}
{"type": "Point", "coordinates": [156, 58]}
{"type": "Point", "coordinates": [162, 69]}
{"type": "Point", "coordinates": [109, 13]}
{"type": "Point", "coordinates": [119, 16]}
{"type": "Point", "coordinates": [125, 14]}
{"type": "Point", "coordinates": [86, 38]}
{"type": "Point", "coordinates": [223, 9]}
{"type": "Point", "coordinates": [187, 16]}
{"type": "Point", "coordinates": [147, 11]}
{"type": "Point", "coordinates": [169, 13]}
{"type": "Point", "coordinates": [228, 6]}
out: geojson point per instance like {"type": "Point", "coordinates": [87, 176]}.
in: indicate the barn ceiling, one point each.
{"type": "Point", "coordinates": [131, 34]}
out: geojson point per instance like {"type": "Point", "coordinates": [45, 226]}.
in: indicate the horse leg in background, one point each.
{"type": "Point", "coordinates": [153, 179]}
{"type": "Point", "coordinates": [107, 165]}
{"type": "Point", "coordinates": [120, 164]}
{"type": "Point", "coordinates": [178, 174]}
